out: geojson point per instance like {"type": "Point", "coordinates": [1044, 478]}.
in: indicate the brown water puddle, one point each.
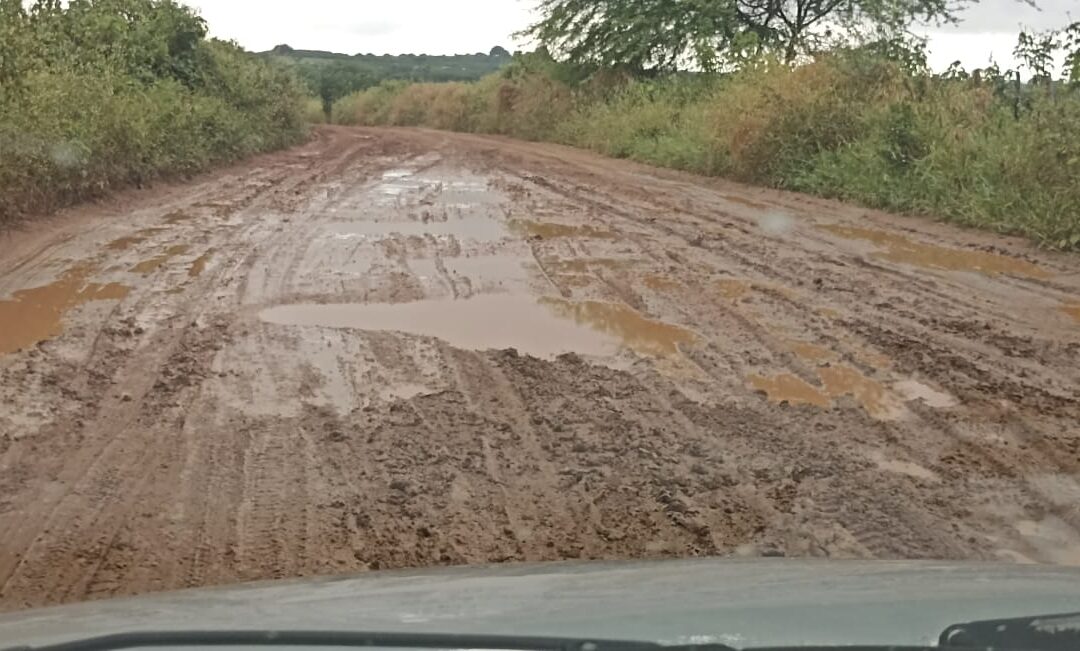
{"type": "Point", "coordinates": [661, 283]}
{"type": "Point", "coordinates": [1072, 310]}
{"type": "Point", "coordinates": [642, 335]}
{"type": "Point", "coordinates": [811, 352]}
{"type": "Point", "coordinates": [128, 241]}
{"type": "Point", "coordinates": [483, 322]}
{"type": "Point", "coordinates": [836, 382]}
{"type": "Point", "coordinates": [732, 289]}
{"type": "Point", "coordinates": [548, 230]}
{"type": "Point", "coordinates": [544, 327]}
{"type": "Point", "coordinates": [872, 359]}
{"type": "Point", "coordinates": [897, 248]}
{"type": "Point", "coordinates": [153, 264]}
{"type": "Point", "coordinates": [791, 389]}
{"type": "Point", "coordinates": [844, 380]}
{"type": "Point", "coordinates": [199, 264]}
{"type": "Point", "coordinates": [36, 314]}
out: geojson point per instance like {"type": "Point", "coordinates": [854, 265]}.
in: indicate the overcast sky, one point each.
{"type": "Point", "coordinates": [453, 27]}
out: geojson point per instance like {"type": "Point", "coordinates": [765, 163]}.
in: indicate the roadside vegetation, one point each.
{"type": "Point", "coordinates": [331, 76]}
{"type": "Point", "coordinates": [856, 116]}
{"type": "Point", "coordinates": [96, 94]}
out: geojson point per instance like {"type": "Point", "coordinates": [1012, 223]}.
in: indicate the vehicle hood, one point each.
{"type": "Point", "coordinates": [738, 602]}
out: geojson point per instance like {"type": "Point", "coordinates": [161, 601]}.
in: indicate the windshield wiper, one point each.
{"type": "Point", "coordinates": [1040, 633]}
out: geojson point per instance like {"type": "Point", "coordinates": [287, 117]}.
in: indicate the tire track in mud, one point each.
{"type": "Point", "coordinates": [174, 439]}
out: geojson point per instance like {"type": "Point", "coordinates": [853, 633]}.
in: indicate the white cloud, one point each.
{"type": "Point", "coordinates": [987, 29]}
{"type": "Point", "coordinates": [352, 26]}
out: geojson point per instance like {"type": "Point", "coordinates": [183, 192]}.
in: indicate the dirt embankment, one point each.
{"type": "Point", "coordinates": [399, 348]}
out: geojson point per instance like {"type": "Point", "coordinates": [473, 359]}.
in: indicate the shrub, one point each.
{"type": "Point", "coordinates": [861, 125]}
{"type": "Point", "coordinates": [100, 94]}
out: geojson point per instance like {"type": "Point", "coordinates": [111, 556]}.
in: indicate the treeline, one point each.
{"type": "Point", "coordinates": [96, 94]}
{"type": "Point", "coordinates": [331, 76]}
{"type": "Point", "coordinates": [869, 123]}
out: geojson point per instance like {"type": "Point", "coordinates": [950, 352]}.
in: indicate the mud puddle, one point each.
{"type": "Point", "coordinates": [153, 264]}
{"type": "Point", "coordinates": [487, 321]}
{"type": "Point", "coordinates": [36, 314]}
{"type": "Point", "coordinates": [544, 327]}
{"type": "Point", "coordinates": [636, 332]}
{"type": "Point", "coordinates": [897, 248]}
{"type": "Point", "coordinates": [128, 241]}
{"type": "Point", "coordinates": [835, 383]}
{"type": "Point", "coordinates": [466, 228]}
{"type": "Point", "coordinates": [551, 230]}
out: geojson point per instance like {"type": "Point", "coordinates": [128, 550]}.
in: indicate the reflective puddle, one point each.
{"type": "Point", "coordinates": [487, 321]}
{"type": "Point", "coordinates": [34, 315]}
{"type": "Point", "coordinates": [844, 380]}
{"type": "Point", "coordinates": [642, 335]}
{"type": "Point", "coordinates": [545, 328]}
{"type": "Point", "coordinates": [466, 228]}
{"type": "Point", "coordinates": [153, 264]}
{"type": "Point", "coordinates": [548, 230]}
{"type": "Point", "coordinates": [126, 242]}
{"type": "Point", "coordinates": [897, 248]}
{"type": "Point", "coordinates": [489, 269]}
{"type": "Point", "coordinates": [836, 382]}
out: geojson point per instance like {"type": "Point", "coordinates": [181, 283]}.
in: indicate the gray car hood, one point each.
{"type": "Point", "coordinates": [737, 602]}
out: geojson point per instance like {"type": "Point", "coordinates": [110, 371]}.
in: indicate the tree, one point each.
{"type": "Point", "coordinates": [649, 35]}
{"type": "Point", "coordinates": [499, 51]}
{"type": "Point", "coordinates": [336, 80]}
{"type": "Point", "coordinates": [1036, 52]}
{"type": "Point", "coordinates": [1072, 52]}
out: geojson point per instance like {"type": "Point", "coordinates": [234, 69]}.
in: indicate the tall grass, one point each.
{"type": "Point", "coordinates": [95, 95]}
{"type": "Point", "coordinates": [848, 126]}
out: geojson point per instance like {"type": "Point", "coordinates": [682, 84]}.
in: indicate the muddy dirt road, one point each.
{"type": "Point", "coordinates": [396, 348]}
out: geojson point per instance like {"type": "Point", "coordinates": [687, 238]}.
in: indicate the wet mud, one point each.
{"type": "Point", "coordinates": [397, 348]}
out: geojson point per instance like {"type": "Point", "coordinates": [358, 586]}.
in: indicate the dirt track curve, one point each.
{"type": "Point", "coordinates": [404, 348]}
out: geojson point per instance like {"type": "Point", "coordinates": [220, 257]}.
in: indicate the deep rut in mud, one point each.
{"type": "Point", "coordinates": [393, 348]}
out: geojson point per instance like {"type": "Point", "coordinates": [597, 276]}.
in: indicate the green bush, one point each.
{"type": "Point", "coordinates": [102, 93]}
{"type": "Point", "coordinates": [862, 126]}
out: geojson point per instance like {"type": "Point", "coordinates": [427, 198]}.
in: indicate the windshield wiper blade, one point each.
{"type": "Point", "coordinates": [1042, 633]}
{"type": "Point", "coordinates": [352, 639]}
